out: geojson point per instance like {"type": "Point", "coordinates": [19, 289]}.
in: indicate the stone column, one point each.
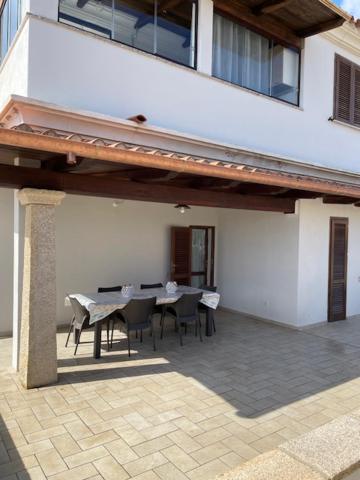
{"type": "Point", "coordinates": [38, 355]}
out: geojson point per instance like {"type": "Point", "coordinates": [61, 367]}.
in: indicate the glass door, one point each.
{"type": "Point", "coordinates": [202, 256]}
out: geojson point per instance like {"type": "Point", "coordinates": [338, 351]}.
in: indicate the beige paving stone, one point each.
{"type": "Point", "coordinates": [29, 424]}
{"type": "Point", "coordinates": [121, 451]}
{"type": "Point", "coordinates": [4, 457]}
{"type": "Point", "coordinates": [110, 469]}
{"type": "Point", "coordinates": [232, 460]}
{"type": "Point", "coordinates": [149, 462]}
{"type": "Point", "coordinates": [99, 439]}
{"type": "Point", "coordinates": [274, 465]}
{"type": "Point", "coordinates": [45, 434]}
{"type": "Point", "coordinates": [188, 426]}
{"type": "Point", "coordinates": [130, 435]}
{"type": "Point", "coordinates": [89, 416]}
{"type": "Point", "coordinates": [150, 475]}
{"type": "Point", "coordinates": [331, 449]}
{"type": "Point", "coordinates": [159, 430]}
{"type": "Point", "coordinates": [34, 473]}
{"type": "Point", "coordinates": [137, 421]}
{"type": "Point", "coordinates": [30, 449]}
{"type": "Point", "coordinates": [184, 441]}
{"type": "Point", "coordinates": [51, 462]}
{"type": "Point", "coordinates": [82, 458]}
{"type": "Point", "coordinates": [179, 458]}
{"type": "Point", "coordinates": [78, 430]}
{"type": "Point", "coordinates": [168, 471]}
{"type": "Point", "coordinates": [152, 446]}
{"type": "Point", "coordinates": [206, 454]}
{"type": "Point", "coordinates": [65, 445]}
{"type": "Point", "coordinates": [84, 472]}
{"type": "Point", "coordinates": [212, 436]}
{"type": "Point", "coordinates": [208, 471]}
{"type": "Point", "coordinates": [42, 412]}
{"type": "Point", "coordinates": [267, 443]}
{"type": "Point", "coordinates": [18, 466]}
{"type": "Point", "coordinates": [240, 447]}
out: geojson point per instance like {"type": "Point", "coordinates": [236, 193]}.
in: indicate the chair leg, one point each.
{"type": "Point", "coordinates": [198, 322]}
{"type": "Point", "coordinates": [78, 340]}
{"type": "Point", "coordinates": [153, 335]}
{"type": "Point", "coordinates": [128, 341]}
{"type": "Point", "coordinates": [214, 326]}
{"type": "Point", "coordinates": [180, 334]}
{"type": "Point", "coordinates": [162, 328]}
{"type": "Point", "coordinates": [141, 336]}
{"type": "Point", "coordinates": [70, 330]}
{"type": "Point", "coordinates": [112, 334]}
{"type": "Point", "coordinates": [108, 334]}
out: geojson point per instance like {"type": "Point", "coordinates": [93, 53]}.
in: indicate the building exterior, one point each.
{"type": "Point", "coordinates": [272, 87]}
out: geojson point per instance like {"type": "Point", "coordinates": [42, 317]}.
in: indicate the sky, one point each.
{"type": "Point", "coordinates": [352, 6]}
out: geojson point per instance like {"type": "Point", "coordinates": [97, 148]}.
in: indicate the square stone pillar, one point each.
{"type": "Point", "coordinates": [38, 355]}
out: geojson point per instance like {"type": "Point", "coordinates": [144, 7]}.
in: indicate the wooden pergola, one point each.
{"type": "Point", "coordinates": [85, 165]}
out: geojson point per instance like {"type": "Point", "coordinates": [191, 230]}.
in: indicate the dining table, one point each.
{"type": "Point", "coordinates": [101, 305]}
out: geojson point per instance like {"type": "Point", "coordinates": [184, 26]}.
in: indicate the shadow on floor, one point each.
{"type": "Point", "coordinates": [256, 367]}
{"type": "Point", "coordinates": [11, 462]}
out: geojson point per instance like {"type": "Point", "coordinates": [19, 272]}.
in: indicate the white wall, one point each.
{"type": "Point", "coordinates": [314, 259]}
{"type": "Point", "coordinates": [80, 70]}
{"type": "Point", "coordinates": [6, 259]}
{"type": "Point", "coordinates": [14, 68]}
{"type": "Point", "coordinates": [257, 266]}
{"type": "Point", "coordinates": [99, 245]}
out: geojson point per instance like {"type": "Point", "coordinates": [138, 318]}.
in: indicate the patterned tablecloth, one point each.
{"type": "Point", "coordinates": [100, 305]}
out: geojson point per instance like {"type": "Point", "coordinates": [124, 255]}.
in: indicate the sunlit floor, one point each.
{"type": "Point", "coordinates": [177, 413]}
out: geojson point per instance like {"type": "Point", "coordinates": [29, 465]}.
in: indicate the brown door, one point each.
{"type": "Point", "coordinates": [181, 255]}
{"type": "Point", "coordinates": [338, 269]}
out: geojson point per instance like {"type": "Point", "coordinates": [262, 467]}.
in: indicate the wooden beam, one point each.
{"type": "Point", "coordinates": [36, 142]}
{"type": "Point", "coordinates": [21, 177]}
{"type": "Point", "coordinates": [320, 27]}
{"type": "Point", "coordinates": [262, 24]}
{"type": "Point", "coordinates": [334, 200]}
{"type": "Point", "coordinates": [269, 6]}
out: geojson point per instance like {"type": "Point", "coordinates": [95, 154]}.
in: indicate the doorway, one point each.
{"type": "Point", "coordinates": [193, 255]}
{"type": "Point", "coordinates": [338, 254]}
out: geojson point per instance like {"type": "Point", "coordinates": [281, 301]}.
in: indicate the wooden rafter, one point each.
{"type": "Point", "coordinates": [21, 177]}
{"type": "Point", "coordinates": [270, 6]}
{"type": "Point", "coordinates": [320, 27]}
{"type": "Point", "coordinates": [29, 142]}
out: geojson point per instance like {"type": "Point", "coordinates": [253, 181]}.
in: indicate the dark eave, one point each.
{"type": "Point", "coordinates": [288, 21]}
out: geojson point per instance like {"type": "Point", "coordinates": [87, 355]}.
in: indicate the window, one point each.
{"type": "Point", "coordinates": [250, 60]}
{"type": "Point", "coordinates": [347, 91]}
{"type": "Point", "coordinates": [10, 18]}
{"type": "Point", "coordinates": [166, 28]}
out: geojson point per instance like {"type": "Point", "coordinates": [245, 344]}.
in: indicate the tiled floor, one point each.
{"type": "Point", "coordinates": [178, 413]}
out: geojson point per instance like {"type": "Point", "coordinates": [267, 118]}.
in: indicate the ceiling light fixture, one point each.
{"type": "Point", "coordinates": [182, 207]}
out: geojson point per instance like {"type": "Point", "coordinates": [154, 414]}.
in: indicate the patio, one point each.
{"type": "Point", "coordinates": [178, 413]}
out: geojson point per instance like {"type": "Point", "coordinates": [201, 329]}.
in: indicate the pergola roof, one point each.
{"type": "Point", "coordinates": [288, 20]}
{"type": "Point", "coordinates": [82, 164]}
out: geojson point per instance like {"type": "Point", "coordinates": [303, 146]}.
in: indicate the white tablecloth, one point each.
{"type": "Point", "coordinates": [100, 305]}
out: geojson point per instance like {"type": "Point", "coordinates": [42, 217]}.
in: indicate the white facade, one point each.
{"type": "Point", "coordinates": [268, 265]}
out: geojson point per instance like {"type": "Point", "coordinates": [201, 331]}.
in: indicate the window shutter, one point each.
{"type": "Point", "coordinates": [338, 268]}
{"type": "Point", "coordinates": [357, 97]}
{"type": "Point", "coordinates": [343, 90]}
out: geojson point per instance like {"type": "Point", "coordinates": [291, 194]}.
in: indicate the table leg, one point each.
{"type": "Point", "coordinates": [97, 339]}
{"type": "Point", "coordinates": [209, 322]}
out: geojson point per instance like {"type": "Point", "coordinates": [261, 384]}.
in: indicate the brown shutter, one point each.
{"type": "Point", "coordinates": [337, 269]}
{"type": "Point", "coordinates": [357, 97]}
{"type": "Point", "coordinates": [181, 255]}
{"type": "Point", "coordinates": [343, 89]}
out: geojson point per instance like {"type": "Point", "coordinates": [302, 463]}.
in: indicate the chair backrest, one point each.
{"type": "Point", "coordinates": [110, 289]}
{"type": "Point", "coordinates": [187, 305]}
{"type": "Point", "coordinates": [81, 314]}
{"type": "Point", "coordinates": [209, 288]}
{"type": "Point", "coordinates": [144, 286]}
{"type": "Point", "coordinates": [138, 312]}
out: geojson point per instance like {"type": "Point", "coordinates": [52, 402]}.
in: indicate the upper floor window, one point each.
{"type": "Point", "coordinates": [250, 60]}
{"type": "Point", "coordinates": [10, 17]}
{"type": "Point", "coordinates": [347, 91]}
{"type": "Point", "coordinates": [166, 28]}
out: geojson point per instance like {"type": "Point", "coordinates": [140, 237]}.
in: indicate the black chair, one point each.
{"type": "Point", "coordinates": [80, 322]}
{"type": "Point", "coordinates": [113, 317]}
{"type": "Point", "coordinates": [203, 308]}
{"type": "Point", "coordinates": [138, 316]}
{"type": "Point", "coordinates": [160, 309]}
{"type": "Point", "coordinates": [185, 311]}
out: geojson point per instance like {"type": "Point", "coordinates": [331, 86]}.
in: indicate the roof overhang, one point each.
{"type": "Point", "coordinates": [289, 21]}
{"type": "Point", "coordinates": [103, 156]}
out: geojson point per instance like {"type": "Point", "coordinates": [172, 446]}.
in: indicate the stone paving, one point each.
{"type": "Point", "coordinates": [178, 413]}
